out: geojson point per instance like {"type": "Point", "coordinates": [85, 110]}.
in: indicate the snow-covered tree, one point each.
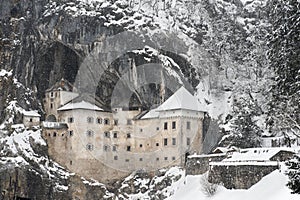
{"type": "Point", "coordinates": [294, 174]}
{"type": "Point", "coordinates": [245, 133]}
{"type": "Point", "coordinates": [284, 56]}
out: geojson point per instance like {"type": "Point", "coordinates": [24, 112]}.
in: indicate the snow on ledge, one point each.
{"type": "Point", "coordinates": [237, 163]}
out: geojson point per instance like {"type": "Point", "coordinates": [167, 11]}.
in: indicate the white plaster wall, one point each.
{"type": "Point", "coordinates": [35, 121]}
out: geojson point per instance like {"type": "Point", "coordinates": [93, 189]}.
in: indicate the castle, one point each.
{"type": "Point", "coordinates": [109, 144]}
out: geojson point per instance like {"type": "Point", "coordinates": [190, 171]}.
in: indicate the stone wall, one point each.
{"type": "Point", "coordinates": [239, 176]}
{"type": "Point", "coordinates": [200, 164]}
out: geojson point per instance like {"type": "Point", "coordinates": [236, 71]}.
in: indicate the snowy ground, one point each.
{"type": "Point", "coordinates": [271, 187]}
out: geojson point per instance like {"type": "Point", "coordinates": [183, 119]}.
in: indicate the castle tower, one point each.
{"type": "Point", "coordinates": [59, 94]}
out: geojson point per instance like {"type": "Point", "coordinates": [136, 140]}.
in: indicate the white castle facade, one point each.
{"type": "Point", "coordinates": [108, 145]}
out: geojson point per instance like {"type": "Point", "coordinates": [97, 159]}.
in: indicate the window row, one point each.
{"type": "Point", "coordinates": [141, 159]}
{"type": "Point", "coordinates": [104, 121]}
{"type": "Point", "coordinates": [173, 125]}
{"type": "Point", "coordinates": [90, 133]}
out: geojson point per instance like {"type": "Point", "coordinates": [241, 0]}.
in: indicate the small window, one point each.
{"type": "Point", "coordinates": [173, 158]}
{"type": "Point", "coordinates": [71, 162]}
{"type": "Point", "coordinates": [54, 134]}
{"type": "Point", "coordinates": [51, 105]}
{"type": "Point", "coordinates": [89, 147]}
{"type": "Point", "coordinates": [166, 126]}
{"type": "Point", "coordinates": [71, 133]}
{"type": "Point", "coordinates": [129, 122]}
{"type": "Point", "coordinates": [114, 148]}
{"type": "Point", "coordinates": [105, 148]}
{"type": "Point", "coordinates": [116, 122]}
{"type": "Point", "coordinates": [51, 94]}
{"type": "Point", "coordinates": [188, 141]}
{"type": "Point", "coordinates": [128, 135]}
{"type": "Point", "coordinates": [157, 128]}
{"type": "Point", "coordinates": [106, 134]}
{"type": "Point", "coordinates": [141, 145]}
{"type": "Point", "coordinates": [157, 159]}
{"type": "Point", "coordinates": [90, 120]}
{"type": "Point", "coordinates": [166, 158]}
{"type": "Point", "coordinates": [165, 141]}
{"type": "Point", "coordinates": [106, 121]}
{"type": "Point", "coordinates": [115, 135]}
{"type": "Point", "coordinates": [115, 157]}
{"type": "Point", "coordinates": [157, 144]}
{"type": "Point", "coordinates": [141, 159]}
{"type": "Point", "coordinates": [89, 133]}
{"type": "Point", "coordinates": [30, 120]}
{"type": "Point", "coordinates": [128, 148]}
{"type": "Point", "coordinates": [99, 121]}
{"type": "Point", "coordinates": [173, 141]}
{"type": "Point", "coordinates": [141, 130]}
{"type": "Point", "coordinates": [188, 125]}
{"type": "Point", "coordinates": [174, 125]}
{"type": "Point", "coordinates": [126, 160]}
{"type": "Point", "coordinates": [70, 119]}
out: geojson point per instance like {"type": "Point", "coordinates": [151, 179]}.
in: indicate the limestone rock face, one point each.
{"type": "Point", "coordinates": [208, 46]}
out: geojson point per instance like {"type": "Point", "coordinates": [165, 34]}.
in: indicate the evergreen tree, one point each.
{"type": "Point", "coordinates": [284, 57]}
{"type": "Point", "coordinates": [245, 133]}
{"type": "Point", "coordinates": [294, 174]}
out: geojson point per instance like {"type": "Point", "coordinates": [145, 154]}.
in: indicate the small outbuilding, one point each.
{"type": "Point", "coordinates": [31, 118]}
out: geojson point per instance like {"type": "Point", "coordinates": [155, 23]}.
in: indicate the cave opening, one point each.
{"type": "Point", "coordinates": [54, 62]}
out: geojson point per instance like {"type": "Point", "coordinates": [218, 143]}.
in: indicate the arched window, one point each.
{"type": "Point", "coordinates": [54, 134]}
{"type": "Point", "coordinates": [51, 118]}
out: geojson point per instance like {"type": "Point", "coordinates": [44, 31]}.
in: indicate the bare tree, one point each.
{"type": "Point", "coordinates": [209, 189]}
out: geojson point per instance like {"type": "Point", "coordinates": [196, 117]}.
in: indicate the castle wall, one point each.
{"type": "Point", "coordinates": [199, 164]}
{"type": "Point", "coordinates": [240, 176]}
{"type": "Point", "coordinates": [110, 145]}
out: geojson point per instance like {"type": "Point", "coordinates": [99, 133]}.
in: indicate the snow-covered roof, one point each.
{"type": "Point", "coordinates": [256, 154]}
{"type": "Point", "coordinates": [151, 114]}
{"type": "Point", "coordinates": [80, 105]}
{"type": "Point", "coordinates": [31, 113]}
{"type": "Point", "coordinates": [235, 163]}
{"type": "Point", "coordinates": [182, 99]}
{"type": "Point", "coordinates": [224, 149]}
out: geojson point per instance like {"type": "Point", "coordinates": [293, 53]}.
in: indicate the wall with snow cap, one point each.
{"type": "Point", "coordinates": [240, 176]}
{"type": "Point", "coordinates": [199, 164]}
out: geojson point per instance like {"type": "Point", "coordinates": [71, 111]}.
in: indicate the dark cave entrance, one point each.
{"type": "Point", "coordinates": [54, 62]}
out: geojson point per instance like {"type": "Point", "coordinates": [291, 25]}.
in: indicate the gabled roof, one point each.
{"type": "Point", "coordinates": [182, 99]}
{"type": "Point", "coordinates": [151, 114]}
{"type": "Point", "coordinates": [80, 105]}
{"type": "Point", "coordinates": [31, 113]}
{"type": "Point", "coordinates": [63, 85]}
